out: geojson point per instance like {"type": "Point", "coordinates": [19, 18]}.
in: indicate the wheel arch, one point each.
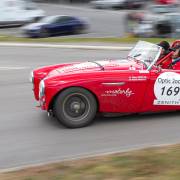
{"type": "Point", "coordinates": [50, 106]}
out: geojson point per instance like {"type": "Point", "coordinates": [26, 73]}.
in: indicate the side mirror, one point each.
{"type": "Point", "coordinates": [159, 69]}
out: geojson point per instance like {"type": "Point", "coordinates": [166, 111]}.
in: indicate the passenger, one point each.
{"type": "Point", "coordinates": [176, 55]}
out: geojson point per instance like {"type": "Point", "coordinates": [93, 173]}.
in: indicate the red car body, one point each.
{"type": "Point", "coordinates": [119, 86]}
{"type": "Point", "coordinates": [166, 1]}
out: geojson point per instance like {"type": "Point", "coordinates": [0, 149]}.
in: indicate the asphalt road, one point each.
{"type": "Point", "coordinates": [103, 23]}
{"type": "Point", "coordinates": [29, 136]}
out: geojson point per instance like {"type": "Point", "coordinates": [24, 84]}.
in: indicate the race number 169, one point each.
{"type": "Point", "coordinates": [170, 91]}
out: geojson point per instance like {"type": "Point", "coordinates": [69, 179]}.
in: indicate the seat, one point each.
{"type": "Point", "coordinates": [166, 61]}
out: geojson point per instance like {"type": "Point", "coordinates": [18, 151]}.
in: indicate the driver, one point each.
{"type": "Point", "coordinates": [164, 62]}
{"type": "Point", "coordinates": [165, 48]}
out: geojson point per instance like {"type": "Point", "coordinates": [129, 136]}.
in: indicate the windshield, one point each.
{"type": "Point", "coordinates": [145, 52]}
{"type": "Point", "coordinates": [48, 19]}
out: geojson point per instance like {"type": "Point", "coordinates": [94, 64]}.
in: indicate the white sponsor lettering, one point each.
{"type": "Point", "coordinates": [127, 92]}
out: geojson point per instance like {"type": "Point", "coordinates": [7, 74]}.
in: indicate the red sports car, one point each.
{"type": "Point", "coordinates": [75, 92]}
{"type": "Point", "coordinates": [166, 1]}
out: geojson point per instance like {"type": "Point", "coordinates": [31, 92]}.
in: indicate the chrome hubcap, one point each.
{"type": "Point", "coordinates": [75, 106]}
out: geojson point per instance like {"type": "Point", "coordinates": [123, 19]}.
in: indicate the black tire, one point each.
{"type": "Point", "coordinates": [77, 30]}
{"type": "Point", "coordinates": [75, 107]}
{"type": "Point", "coordinates": [163, 29]}
{"type": "Point", "coordinates": [44, 33]}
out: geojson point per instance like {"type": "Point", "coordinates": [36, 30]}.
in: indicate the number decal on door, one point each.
{"type": "Point", "coordinates": [167, 89]}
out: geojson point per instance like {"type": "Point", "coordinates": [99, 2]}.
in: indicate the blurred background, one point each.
{"type": "Point", "coordinates": [86, 18]}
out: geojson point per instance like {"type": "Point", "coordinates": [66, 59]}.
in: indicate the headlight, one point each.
{"type": "Point", "coordinates": [41, 89]}
{"type": "Point", "coordinates": [31, 77]}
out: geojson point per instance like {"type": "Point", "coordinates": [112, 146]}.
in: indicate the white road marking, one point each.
{"type": "Point", "coordinates": [65, 46]}
{"type": "Point", "coordinates": [12, 68]}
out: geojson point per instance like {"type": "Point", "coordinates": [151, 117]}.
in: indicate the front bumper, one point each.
{"type": "Point", "coordinates": [31, 33]}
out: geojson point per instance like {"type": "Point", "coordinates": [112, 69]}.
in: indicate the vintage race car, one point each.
{"type": "Point", "coordinates": [75, 92]}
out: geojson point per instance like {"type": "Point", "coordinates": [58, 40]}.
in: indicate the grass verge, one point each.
{"type": "Point", "coordinates": [157, 163]}
{"type": "Point", "coordinates": [4, 38]}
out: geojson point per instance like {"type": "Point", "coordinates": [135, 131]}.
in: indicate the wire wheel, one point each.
{"type": "Point", "coordinates": [75, 107]}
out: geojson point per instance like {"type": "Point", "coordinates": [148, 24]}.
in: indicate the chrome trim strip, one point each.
{"type": "Point", "coordinates": [114, 84]}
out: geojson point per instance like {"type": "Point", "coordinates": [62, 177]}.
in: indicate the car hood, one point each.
{"type": "Point", "coordinates": [94, 66]}
{"type": "Point", "coordinates": [33, 26]}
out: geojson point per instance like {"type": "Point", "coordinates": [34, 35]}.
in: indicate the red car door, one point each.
{"type": "Point", "coordinates": [124, 94]}
{"type": "Point", "coordinates": [163, 93]}
{"type": "Point", "coordinates": [166, 1]}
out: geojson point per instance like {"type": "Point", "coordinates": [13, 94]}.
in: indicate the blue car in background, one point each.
{"type": "Point", "coordinates": [55, 25]}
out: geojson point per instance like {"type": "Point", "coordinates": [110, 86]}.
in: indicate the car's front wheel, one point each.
{"type": "Point", "coordinates": [75, 107]}
{"type": "Point", "coordinates": [44, 33]}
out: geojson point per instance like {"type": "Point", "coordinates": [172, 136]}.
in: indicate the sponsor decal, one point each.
{"type": "Point", "coordinates": [167, 89]}
{"type": "Point", "coordinates": [127, 92]}
{"type": "Point", "coordinates": [144, 71]}
{"type": "Point", "coordinates": [77, 67]}
{"type": "Point", "coordinates": [137, 78]}
{"type": "Point", "coordinates": [132, 68]}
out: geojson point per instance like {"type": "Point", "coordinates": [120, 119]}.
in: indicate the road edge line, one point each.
{"type": "Point", "coordinates": [64, 46]}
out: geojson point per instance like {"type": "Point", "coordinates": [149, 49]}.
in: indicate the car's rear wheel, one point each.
{"type": "Point", "coordinates": [75, 107]}
{"type": "Point", "coordinates": [77, 30]}
{"type": "Point", "coordinates": [163, 29]}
